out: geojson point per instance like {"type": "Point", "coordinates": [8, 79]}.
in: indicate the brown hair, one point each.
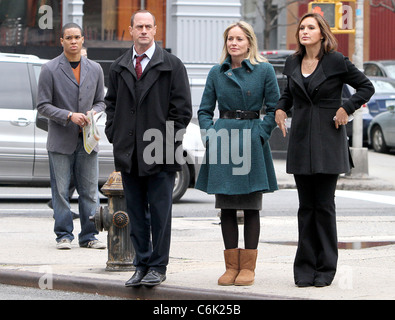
{"type": "Point", "coordinates": [141, 11]}
{"type": "Point", "coordinates": [328, 43]}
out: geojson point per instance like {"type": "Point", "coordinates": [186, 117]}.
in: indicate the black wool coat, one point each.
{"type": "Point", "coordinates": [160, 100]}
{"type": "Point", "coordinates": [315, 145]}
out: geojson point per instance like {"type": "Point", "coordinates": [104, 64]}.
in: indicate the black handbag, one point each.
{"type": "Point", "coordinates": [41, 121]}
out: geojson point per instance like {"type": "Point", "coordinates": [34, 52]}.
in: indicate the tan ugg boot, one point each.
{"type": "Point", "coordinates": [232, 267]}
{"type": "Point", "coordinates": [247, 267]}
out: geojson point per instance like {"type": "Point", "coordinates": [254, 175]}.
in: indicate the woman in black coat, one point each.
{"type": "Point", "coordinates": [318, 147]}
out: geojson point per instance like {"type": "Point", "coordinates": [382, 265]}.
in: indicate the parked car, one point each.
{"type": "Point", "coordinates": [384, 94]}
{"type": "Point", "coordinates": [381, 68]}
{"type": "Point", "coordinates": [366, 116]}
{"type": "Point", "coordinates": [23, 154]}
{"type": "Point", "coordinates": [381, 131]}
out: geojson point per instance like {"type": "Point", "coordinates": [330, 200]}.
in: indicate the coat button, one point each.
{"type": "Point", "coordinates": [248, 93]}
{"type": "Point", "coordinates": [229, 73]}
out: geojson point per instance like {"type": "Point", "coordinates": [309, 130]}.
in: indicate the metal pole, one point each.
{"type": "Point", "coordinates": [359, 154]}
{"type": "Point", "coordinates": [357, 136]}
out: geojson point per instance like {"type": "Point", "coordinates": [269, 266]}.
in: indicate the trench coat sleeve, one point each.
{"type": "Point", "coordinates": [363, 86]}
{"type": "Point", "coordinates": [272, 94]}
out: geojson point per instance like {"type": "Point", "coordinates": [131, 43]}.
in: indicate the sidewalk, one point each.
{"type": "Point", "coordinates": [28, 256]}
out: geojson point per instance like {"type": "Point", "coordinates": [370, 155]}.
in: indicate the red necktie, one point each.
{"type": "Point", "coordinates": [139, 69]}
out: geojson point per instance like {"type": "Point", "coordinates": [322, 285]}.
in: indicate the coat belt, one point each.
{"type": "Point", "coordinates": [239, 114]}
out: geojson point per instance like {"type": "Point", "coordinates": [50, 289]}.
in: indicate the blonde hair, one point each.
{"type": "Point", "coordinates": [253, 56]}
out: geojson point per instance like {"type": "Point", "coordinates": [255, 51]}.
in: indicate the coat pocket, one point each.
{"type": "Point", "coordinates": [327, 109]}
{"type": "Point", "coordinates": [330, 103]}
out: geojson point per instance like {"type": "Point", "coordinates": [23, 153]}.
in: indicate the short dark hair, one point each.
{"type": "Point", "coordinates": [141, 11]}
{"type": "Point", "coordinates": [71, 25]}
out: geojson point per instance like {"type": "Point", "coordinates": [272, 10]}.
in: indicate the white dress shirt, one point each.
{"type": "Point", "coordinates": [149, 53]}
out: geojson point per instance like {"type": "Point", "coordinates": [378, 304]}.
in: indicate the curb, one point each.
{"type": "Point", "coordinates": [116, 288]}
{"type": "Point", "coordinates": [348, 184]}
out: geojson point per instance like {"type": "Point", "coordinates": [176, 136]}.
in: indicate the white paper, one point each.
{"type": "Point", "coordinates": [91, 132]}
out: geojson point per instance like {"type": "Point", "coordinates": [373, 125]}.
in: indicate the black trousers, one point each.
{"type": "Point", "coordinates": [149, 206]}
{"type": "Point", "coordinates": [316, 256]}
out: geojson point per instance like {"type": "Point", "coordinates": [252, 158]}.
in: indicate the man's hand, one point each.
{"type": "Point", "coordinates": [79, 119]}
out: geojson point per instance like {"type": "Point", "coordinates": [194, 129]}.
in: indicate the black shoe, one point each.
{"type": "Point", "coordinates": [135, 280]}
{"type": "Point", "coordinates": [303, 284]}
{"type": "Point", "coordinates": [153, 278]}
{"type": "Point", "coordinates": [321, 283]}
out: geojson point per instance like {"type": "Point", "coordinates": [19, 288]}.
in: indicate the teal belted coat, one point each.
{"type": "Point", "coordinates": [238, 158]}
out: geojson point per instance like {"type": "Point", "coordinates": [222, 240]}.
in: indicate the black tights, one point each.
{"type": "Point", "coordinates": [230, 229]}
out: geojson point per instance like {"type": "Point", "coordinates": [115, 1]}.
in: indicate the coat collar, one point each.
{"type": "Point", "coordinates": [66, 68]}
{"type": "Point", "coordinates": [331, 64]}
{"type": "Point", "coordinates": [156, 65]}
{"type": "Point", "coordinates": [227, 64]}
{"type": "Point", "coordinates": [157, 60]}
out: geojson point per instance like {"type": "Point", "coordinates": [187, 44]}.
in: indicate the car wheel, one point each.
{"type": "Point", "coordinates": [181, 183]}
{"type": "Point", "coordinates": [378, 142]}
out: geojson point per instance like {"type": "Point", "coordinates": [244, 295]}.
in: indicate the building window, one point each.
{"type": "Point", "coordinates": [106, 22]}
{"type": "Point", "coordinates": [22, 22]}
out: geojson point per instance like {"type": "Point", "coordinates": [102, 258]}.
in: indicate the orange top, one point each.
{"type": "Point", "coordinates": [77, 72]}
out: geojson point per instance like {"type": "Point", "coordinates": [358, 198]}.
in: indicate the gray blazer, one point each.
{"type": "Point", "coordinates": [59, 93]}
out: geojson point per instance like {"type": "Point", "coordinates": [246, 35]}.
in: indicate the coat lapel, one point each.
{"type": "Point", "coordinates": [150, 75]}
{"type": "Point", "coordinates": [127, 71]}
{"type": "Point", "coordinates": [84, 69]}
{"type": "Point", "coordinates": [317, 78]}
{"type": "Point", "coordinates": [226, 69]}
{"type": "Point", "coordinates": [152, 72]}
{"type": "Point", "coordinates": [66, 68]}
{"type": "Point", "coordinates": [293, 70]}
{"type": "Point", "coordinates": [328, 67]}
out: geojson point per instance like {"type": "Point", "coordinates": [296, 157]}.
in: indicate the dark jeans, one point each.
{"type": "Point", "coordinates": [149, 206]}
{"type": "Point", "coordinates": [316, 256]}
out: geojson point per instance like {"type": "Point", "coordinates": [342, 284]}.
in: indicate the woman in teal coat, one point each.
{"type": "Point", "coordinates": [238, 165]}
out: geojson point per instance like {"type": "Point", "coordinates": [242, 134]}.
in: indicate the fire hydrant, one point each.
{"type": "Point", "coordinates": [114, 219]}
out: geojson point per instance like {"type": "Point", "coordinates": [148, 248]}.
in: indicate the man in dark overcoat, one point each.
{"type": "Point", "coordinates": [148, 108]}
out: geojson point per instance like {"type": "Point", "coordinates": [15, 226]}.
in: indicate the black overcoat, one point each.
{"type": "Point", "coordinates": [160, 100]}
{"type": "Point", "coordinates": [315, 145]}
